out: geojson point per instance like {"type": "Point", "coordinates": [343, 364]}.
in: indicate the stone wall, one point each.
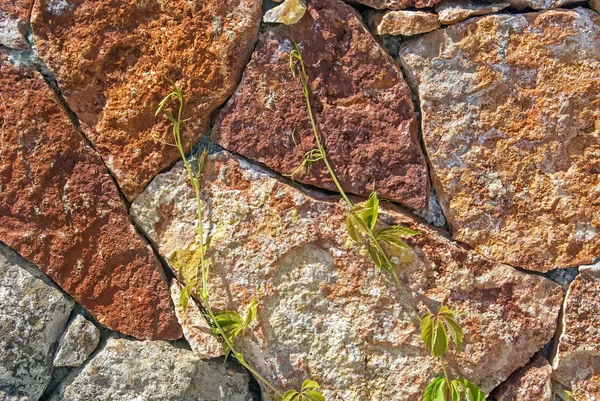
{"type": "Point", "coordinates": [478, 122]}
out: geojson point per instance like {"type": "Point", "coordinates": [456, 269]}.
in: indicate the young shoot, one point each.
{"type": "Point", "coordinates": [227, 325]}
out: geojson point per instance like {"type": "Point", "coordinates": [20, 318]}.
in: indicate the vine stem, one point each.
{"type": "Point", "coordinates": [446, 377]}
{"type": "Point", "coordinates": [195, 181]}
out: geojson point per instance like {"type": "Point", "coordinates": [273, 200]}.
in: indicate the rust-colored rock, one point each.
{"type": "Point", "coordinates": [577, 361]}
{"type": "Point", "coordinates": [398, 4]}
{"type": "Point", "coordinates": [14, 15]}
{"type": "Point", "coordinates": [325, 312]}
{"type": "Point", "coordinates": [530, 383]}
{"type": "Point", "coordinates": [511, 124]}
{"type": "Point", "coordinates": [60, 209]}
{"type": "Point", "coordinates": [406, 23]}
{"type": "Point", "coordinates": [113, 59]}
{"type": "Point", "coordinates": [453, 11]}
{"type": "Point", "coordinates": [362, 104]}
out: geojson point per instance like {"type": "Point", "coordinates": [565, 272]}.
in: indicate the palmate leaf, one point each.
{"type": "Point", "coordinates": [435, 390]}
{"type": "Point", "coordinates": [448, 317]}
{"type": "Point", "coordinates": [185, 294]}
{"type": "Point", "coordinates": [308, 392]}
{"type": "Point", "coordinates": [434, 334]}
{"type": "Point", "coordinates": [370, 211]}
{"type": "Point", "coordinates": [251, 313]}
{"type": "Point", "coordinates": [393, 235]}
{"type": "Point", "coordinates": [351, 228]}
{"type": "Point", "coordinates": [470, 391]}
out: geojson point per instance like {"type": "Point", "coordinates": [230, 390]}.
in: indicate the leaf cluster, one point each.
{"type": "Point", "coordinates": [437, 328]}
{"type": "Point", "coordinates": [308, 392]}
{"type": "Point", "coordinates": [440, 389]}
{"type": "Point", "coordinates": [232, 324]}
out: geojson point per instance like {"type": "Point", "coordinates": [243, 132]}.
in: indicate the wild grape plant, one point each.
{"type": "Point", "coordinates": [362, 227]}
{"type": "Point", "coordinates": [227, 325]}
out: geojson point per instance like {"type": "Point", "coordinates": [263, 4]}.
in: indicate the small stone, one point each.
{"type": "Point", "coordinates": [196, 330]}
{"type": "Point", "coordinates": [361, 102]}
{"type": "Point", "coordinates": [405, 23]}
{"type": "Point", "coordinates": [288, 13]}
{"type": "Point", "coordinates": [577, 361]}
{"type": "Point", "coordinates": [324, 308]}
{"type": "Point", "coordinates": [14, 15]}
{"type": "Point", "coordinates": [510, 109]}
{"type": "Point", "coordinates": [530, 383]}
{"type": "Point", "coordinates": [60, 209]}
{"type": "Point", "coordinates": [540, 4]}
{"type": "Point", "coordinates": [77, 343]}
{"type": "Point", "coordinates": [113, 60]}
{"type": "Point", "coordinates": [452, 11]}
{"type": "Point", "coordinates": [126, 370]}
{"type": "Point", "coordinates": [33, 314]}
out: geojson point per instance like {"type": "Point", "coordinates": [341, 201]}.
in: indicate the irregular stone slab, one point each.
{"type": "Point", "coordinates": [397, 4]}
{"type": "Point", "coordinates": [405, 23]}
{"type": "Point", "coordinates": [196, 330]}
{"type": "Point", "coordinates": [77, 343]}
{"type": "Point", "coordinates": [577, 360]}
{"type": "Point", "coordinates": [113, 61]}
{"type": "Point", "coordinates": [452, 11]}
{"type": "Point", "coordinates": [511, 105]}
{"type": "Point", "coordinates": [530, 383]}
{"type": "Point", "coordinates": [288, 13]}
{"type": "Point", "coordinates": [361, 102]}
{"type": "Point", "coordinates": [14, 15]}
{"type": "Point", "coordinates": [33, 314]}
{"type": "Point", "coordinates": [60, 209]}
{"type": "Point", "coordinates": [125, 370]}
{"type": "Point", "coordinates": [595, 4]}
{"type": "Point", "coordinates": [540, 4]}
{"type": "Point", "coordinates": [324, 310]}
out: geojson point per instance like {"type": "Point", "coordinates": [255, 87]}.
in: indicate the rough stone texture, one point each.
{"type": "Point", "coordinates": [530, 383]}
{"type": "Point", "coordinates": [397, 4]}
{"type": "Point", "coordinates": [577, 360]}
{"type": "Point", "coordinates": [14, 15]}
{"type": "Point", "coordinates": [60, 209]}
{"type": "Point", "coordinates": [77, 343]}
{"type": "Point", "coordinates": [595, 4]}
{"type": "Point", "coordinates": [33, 314]}
{"type": "Point", "coordinates": [362, 105]}
{"type": "Point", "coordinates": [511, 112]}
{"type": "Point", "coordinates": [452, 11]}
{"type": "Point", "coordinates": [540, 4]}
{"type": "Point", "coordinates": [126, 370]}
{"type": "Point", "coordinates": [405, 23]}
{"type": "Point", "coordinates": [325, 311]}
{"type": "Point", "coordinates": [196, 330]}
{"type": "Point", "coordinates": [113, 59]}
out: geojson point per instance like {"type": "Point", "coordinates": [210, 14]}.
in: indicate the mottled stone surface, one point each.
{"type": "Point", "coordinates": [14, 15]}
{"type": "Point", "coordinates": [33, 314]}
{"type": "Point", "coordinates": [577, 360]}
{"type": "Point", "coordinates": [362, 105]}
{"type": "Point", "coordinates": [397, 4]}
{"type": "Point", "coordinates": [530, 383]}
{"type": "Point", "coordinates": [113, 60]}
{"type": "Point", "coordinates": [196, 330]}
{"type": "Point", "coordinates": [324, 310]}
{"type": "Point", "coordinates": [540, 4]}
{"type": "Point", "coordinates": [595, 4]}
{"type": "Point", "coordinates": [60, 209]}
{"type": "Point", "coordinates": [78, 341]}
{"type": "Point", "coordinates": [452, 11]}
{"type": "Point", "coordinates": [405, 23]}
{"type": "Point", "coordinates": [511, 123]}
{"type": "Point", "coordinates": [125, 370]}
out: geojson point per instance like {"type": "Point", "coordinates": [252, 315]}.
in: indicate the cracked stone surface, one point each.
{"type": "Point", "coordinates": [510, 118]}
{"type": "Point", "coordinates": [361, 102]}
{"type": "Point", "coordinates": [406, 23]}
{"type": "Point", "coordinates": [325, 311]}
{"type": "Point", "coordinates": [530, 383]}
{"type": "Point", "coordinates": [61, 210]}
{"type": "Point", "coordinates": [113, 61]}
{"type": "Point", "coordinates": [126, 370]}
{"type": "Point", "coordinates": [453, 11]}
{"type": "Point", "coordinates": [577, 361]}
{"type": "Point", "coordinates": [78, 341]}
{"type": "Point", "coordinates": [33, 315]}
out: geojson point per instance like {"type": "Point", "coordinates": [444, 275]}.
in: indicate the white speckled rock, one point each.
{"type": "Point", "coordinates": [126, 370]}
{"type": "Point", "coordinates": [78, 341]}
{"type": "Point", "coordinates": [13, 19]}
{"type": "Point", "coordinates": [530, 383]}
{"type": "Point", "coordinates": [510, 120]}
{"type": "Point", "coordinates": [577, 360]}
{"type": "Point", "coordinates": [453, 11]}
{"type": "Point", "coordinates": [325, 311]}
{"type": "Point", "coordinates": [196, 330]}
{"type": "Point", "coordinates": [33, 315]}
{"type": "Point", "coordinates": [540, 4]}
{"type": "Point", "coordinates": [403, 22]}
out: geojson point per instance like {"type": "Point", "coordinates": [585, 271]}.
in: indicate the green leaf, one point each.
{"type": "Point", "coordinates": [186, 293]}
{"type": "Point", "coordinates": [394, 241]}
{"type": "Point", "coordinates": [448, 317]}
{"type": "Point", "coordinates": [376, 256]}
{"type": "Point", "coordinates": [370, 211]}
{"type": "Point", "coordinates": [289, 395]}
{"type": "Point", "coordinates": [251, 312]}
{"type": "Point", "coordinates": [431, 389]}
{"type": "Point", "coordinates": [352, 232]}
{"type": "Point", "coordinates": [398, 231]}
{"type": "Point", "coordinates": [308, 384]}
{"type": "Point", "coordinates": [434, 334]}
{"type": "Point", "coordinates": [471, 391]}
{"type": "Point", "coordinates": [312, 395]}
